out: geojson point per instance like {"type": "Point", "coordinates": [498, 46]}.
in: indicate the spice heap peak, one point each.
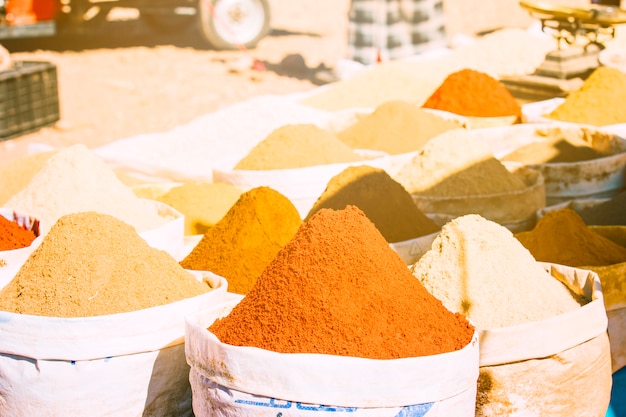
{"type": "Point", "coordinates": [92, 264]}
{"type": "Point", "coordinates": [454, 164]}
{"type": "Point", "coordinates": [246, 239]}
{"type": "Point", "coordinates": [338, 288]}
{"type": "Point", "coordinates": [478, 268]}
{"type": "Point", "coordinates": [383, 200]}
{"type": "Point", "coordinates": [75, 180]}
{"type": "Point", "coordinates": [297, 146]}
{"type": "Point", "coordinates": [396, 127]}
{"type": "Point", "coordinates": [473, 93]}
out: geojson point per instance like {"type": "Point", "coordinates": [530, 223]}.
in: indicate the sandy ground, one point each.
{"type": "Point", "coordinates": [130, 80]}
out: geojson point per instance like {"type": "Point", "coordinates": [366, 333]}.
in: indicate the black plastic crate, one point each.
{"type": "Point", "coordinates": [29, 98]}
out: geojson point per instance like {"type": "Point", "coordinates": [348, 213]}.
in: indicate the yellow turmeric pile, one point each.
{"type": "Point", "coordinates": [562, 237]}
{"type": "Point", "coordinates": [599, 102]}
{"type": "Point", "coordinates": [248, 237]}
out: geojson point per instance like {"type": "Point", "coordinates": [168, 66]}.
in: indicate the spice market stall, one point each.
{"type": "Point", "coordinates": [368, 248]}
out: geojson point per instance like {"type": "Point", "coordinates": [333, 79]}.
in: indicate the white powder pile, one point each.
{"type": "Point", "coordinates": [454, 164]}
{"type": "Point", "coordinates": [190, 152]}
{"type": "Point", "coordinates": [75, 180]}
{"type": "Point", "coordinates": [478, 268]}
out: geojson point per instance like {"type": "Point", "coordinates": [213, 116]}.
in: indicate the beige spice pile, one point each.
{"type": "Point", "coordinates": [92, 264]}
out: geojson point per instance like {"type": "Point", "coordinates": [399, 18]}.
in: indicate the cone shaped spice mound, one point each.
{"type": "Point", "coordinates": [478, 268]}
{"type": "Point", "coordinates": [599, 102]}
{"type": "Point", "coordinates": [473, 93]}
{"type": "Point", "coordinates": [75, 180]}
{"type": "Point", "coordinates": [338, 288]}
{"type": "Point", "coordinates": [203, 204]}
{"type": "Point", "coordinates": [562, 237]}
{"type": "Point", "coordinates": [559, 146]}
{"type": "Point", "coordinates": [396, 127]}
{"type": "Point", "coordinates": [249, 236]}
{"type": "Point", "coordinates": [92, 264]}
{"type": "Point", "coordinates": [14, 236]}
{"type": "Point", "coordinates": [456, 164]}
{"type": "Point", "coordinates": [383, 200]}
{"type": "Point", "coordinates": [297, 146]}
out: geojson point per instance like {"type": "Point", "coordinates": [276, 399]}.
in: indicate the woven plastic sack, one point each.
{"type": "Point", "coordinates": [233, 381]}
{"type": "Point", "coordinates": [168, 237]}
{"type": "Point", "coordinates": [413, 249]}
{"type": "Point", "coordinates": [558, 367]}
{"type": "Point", "coordinates": [124, 365]}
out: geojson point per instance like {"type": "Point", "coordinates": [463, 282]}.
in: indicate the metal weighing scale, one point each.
{"type": "Point", "coordinates": [580, 33]}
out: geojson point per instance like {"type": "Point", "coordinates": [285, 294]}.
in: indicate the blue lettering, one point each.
{"type": "Point", "coordinates": [418, 410]}
{"type": "Point", "coordinates": [272, 403]}
{"type": "Point", "coordinates": [324, 408]}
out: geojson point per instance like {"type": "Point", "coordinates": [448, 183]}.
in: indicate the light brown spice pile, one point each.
{"type": "Point", "coordinates": [396, 127]}
{"type": "Point", "coordinates": [92, 264]}
{"type": "Point", "coordinates": [297, 146]}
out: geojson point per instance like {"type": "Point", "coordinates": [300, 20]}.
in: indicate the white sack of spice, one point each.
{"type": "Point", "coordinates": [189, 152]}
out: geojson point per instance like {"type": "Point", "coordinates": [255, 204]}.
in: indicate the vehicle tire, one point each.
{"type": "Point", "coordinates": [233, 24]}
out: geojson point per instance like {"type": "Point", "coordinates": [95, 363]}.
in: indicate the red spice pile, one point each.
{"type": "Point", "coordinates": [338, 288]}
{"type": "Point", "coordinates": [14, 236]}
{"type": "Point", "coordinates": [475, 94]}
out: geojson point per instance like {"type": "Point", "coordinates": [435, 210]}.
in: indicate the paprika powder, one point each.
{"type": "Point", "coordinates": [14, 236]}
{"type": "Point", "coordinates": [337, 288]}
{"type": "Point", "coordinates": [473, 93]}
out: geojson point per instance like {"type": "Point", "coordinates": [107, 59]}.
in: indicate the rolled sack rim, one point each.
{"type": "Point", "coordinates": [329, 379]}
{"type": "Point", "coordinates": [592, 177]}
{"type": "Point", "coordinates": [98, 337]}
{"type": "Point", "coordinates": [535, 340]}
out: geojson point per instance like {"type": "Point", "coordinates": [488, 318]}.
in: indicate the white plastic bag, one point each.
{"type": "Point", "coordinates": [560, 366]}
{"type": "Point", "coordinates": [170, 236]}
{"type": "Point", "coordinates": [600, 177]}
{"type": "Point", "coordinates": [129, 364]}
{"type": "Point", "coordinates": [412, 250]}
{"type": "Point", "coordinates": [232, 381]}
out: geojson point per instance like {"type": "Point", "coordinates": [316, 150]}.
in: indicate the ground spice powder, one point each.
{"type": "Point", "coordinates": [599, 102]}
{"type": "Point", "coordinates": [203, 204]}
{"type": "Point", "coordinates": [75, 180]}
{"type": "Point", "coordinates": [338, 288]}
{"type": "Point", "coordinates": [297, 146]}
{"type": "Point", "coordinates": [14, 236]}
{"type": "Point", "coordinates": [478, 268]}
{"type": "Point", "coordinates": [456, 164]}
{"type": "Point", "coordinates": [562, 237]}
{"type": "Point", "coordinates": [15, 175]}
{"type": "Point", "coordinates": [249, 236]}
{"type": "Point", "coordinates": [396, 127]}
{"type": "Point", "coordinates": [92, 264]}
{"type": "Point", "coordinates": [383, 200]}
{"type": "Point", "coordinates": [558, 146]}
{"type": "Point", "coordinates": [473, 93]}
